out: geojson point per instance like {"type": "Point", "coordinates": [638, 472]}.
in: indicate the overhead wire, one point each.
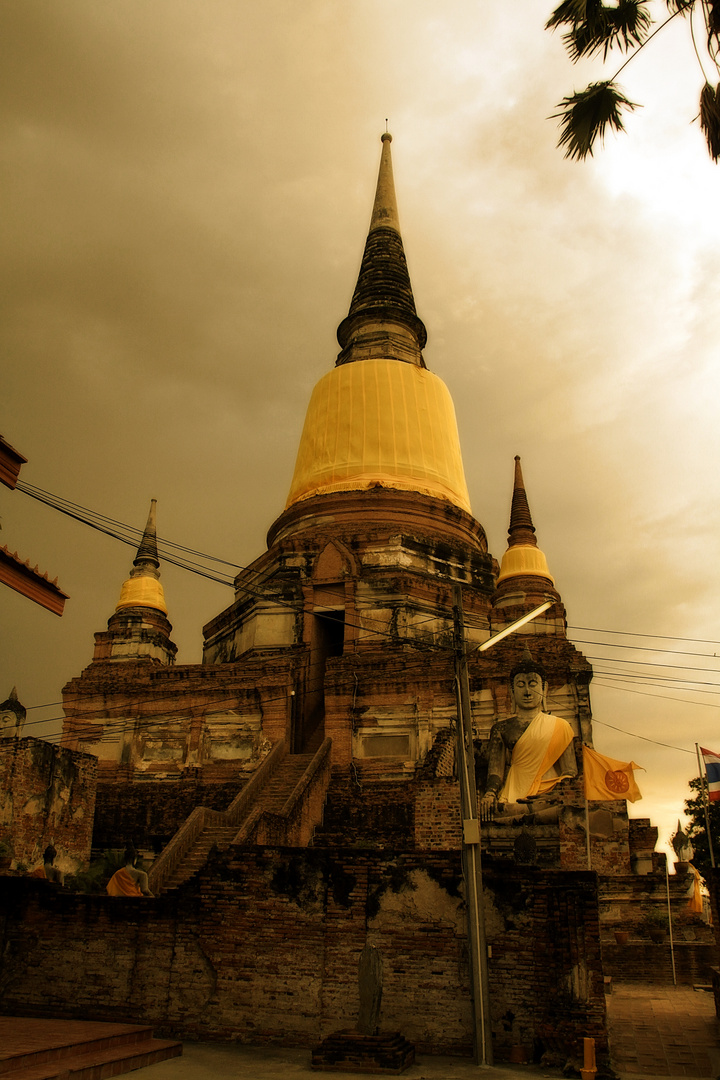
{"type": "Point", "coordinates": [130, 535]}
{"type": "Point", "coordinates": [86, 516]}
{"type": "Point", "coordinates": [399, 664]}
{"type": "Point", "coordinates": [643, 648]}
{"type": "Point", "coordinates": [665, 681]}
{"type": "Point", "coordinates": [402, 664]}
{"type": "Point", "coordinates": [632, 633]}
{"type": "Point", "coordinates": [395, 666]}
{"type": "Point", "coordinates": [649, 663]}
{"type": "Point", "coordinates": [659, 697]}
{"type": "Point", "coordinates": [139, 725]}
{"type": "Point", "coordinates": [644, 738]}
{"type": "Point", "coordinates": [93, 518]}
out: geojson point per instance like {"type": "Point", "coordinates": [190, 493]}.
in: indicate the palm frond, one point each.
{"type": "Point", "coordinates": [567, 13]}
{"type": "Point", "coordinates": [710, 118]}
{"type": "Point", "coordinates": [595, 27]}
{"type": "Point", "coordinates": [684, 7]}
{"type": "Point", "coordinates": [630, 22]}
{"type": "Point", "coordinates": [712, 18]}
{"type": "Point", "coordinates": [587, 114]}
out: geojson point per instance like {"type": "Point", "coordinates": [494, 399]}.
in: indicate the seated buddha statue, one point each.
{"type": "Point", "coordinates": [530, 752]}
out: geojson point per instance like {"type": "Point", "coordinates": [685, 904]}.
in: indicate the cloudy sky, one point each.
{"type": "Point", "coordinates": [187, 191]}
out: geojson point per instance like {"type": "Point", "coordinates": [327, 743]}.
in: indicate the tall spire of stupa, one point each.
{"type": "Point", "coordinates": [382, 321]}
{"type": "Point", "coordinates": [147, 551]}
{"type": "Point", "coordinates": [523, 556]}
{"type": "Point", "coordinates": [142, 588]}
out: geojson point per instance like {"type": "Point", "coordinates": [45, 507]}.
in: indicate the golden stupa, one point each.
{"type": "Point", "coordinates": [142, 588]}
{"type": "Point", "coordinates": [380, 418]}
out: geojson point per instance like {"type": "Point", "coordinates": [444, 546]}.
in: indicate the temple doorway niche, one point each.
{"type": "Point", "coordinates": [327, 638]}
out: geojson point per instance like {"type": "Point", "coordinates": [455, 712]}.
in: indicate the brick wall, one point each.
{"type": "Point", "coordinates": [568, 963]}
{"type": "Point", "coordinates": [47, 795]}
{"type": "Point", "coordinates": [437, 815]}
{"type": "Point", "coordinates": [362, 814]}
{"type": "Point", "coordinates": [646, 962]}
{"type": "Point", "coordinates": [149, 813]}
{"type": "Point", "coordinates": [625, 901]}
{"type": "Point", "coordinates": [264, 944]}
{"type": "Point", "coordinates": [609, 833]}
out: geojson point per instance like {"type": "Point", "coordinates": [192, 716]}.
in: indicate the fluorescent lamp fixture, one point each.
{"type": "Point", "coordinates": [515, 626]}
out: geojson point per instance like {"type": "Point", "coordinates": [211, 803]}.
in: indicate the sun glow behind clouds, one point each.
{"type": "Point", "coordinates": [662, 160]}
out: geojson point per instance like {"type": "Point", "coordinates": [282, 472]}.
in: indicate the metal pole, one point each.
{"type": "Point", "coordinates": [587, 833]}
{"type": "Point", "coordinates": [471, 859]}
{"type": "Point", "coordinates": [672, 946]}
{"type": "Point", "coordinates": [703, 794]}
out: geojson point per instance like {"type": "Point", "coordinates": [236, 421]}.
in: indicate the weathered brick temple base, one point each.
{"type": "Point", "coordinates": [263, 946]}
{"type": "Point", "coordinates": [47, 795]}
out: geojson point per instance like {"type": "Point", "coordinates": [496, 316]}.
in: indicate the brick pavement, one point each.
{"type": "Point", "coordinates": [43, 1049]}
{"type": "Point", "coordinates": [663, 1031]}
{"type": "Point", "coordinates": [654, 1031]}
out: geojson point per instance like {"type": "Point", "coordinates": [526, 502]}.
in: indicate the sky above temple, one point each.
{"type": "Point", "coordinates": [187, 191]}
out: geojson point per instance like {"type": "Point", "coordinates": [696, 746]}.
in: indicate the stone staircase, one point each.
{"type": "Point", "coordinates": [279, 805]}
{"type": "Point", "coordinates": [273, 797]}
{"type": "Point", "coordinates": [212, 836]}
{"type": "Point", "coordinates": [45, 1049]}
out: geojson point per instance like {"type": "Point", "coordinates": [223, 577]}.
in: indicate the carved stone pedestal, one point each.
{"type": "Point", "coordinates": [349, 1051]}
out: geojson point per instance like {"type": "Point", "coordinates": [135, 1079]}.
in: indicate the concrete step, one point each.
{"type": "Point", "coordinates": [280, 787]}
{"type": "Point", "coordinates": [198, 855]}
{"type": "Point", "coordinates": [43, 1049]}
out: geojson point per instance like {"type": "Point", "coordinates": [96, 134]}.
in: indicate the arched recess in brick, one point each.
{"type": "Point", "coordinates": [329, 628]}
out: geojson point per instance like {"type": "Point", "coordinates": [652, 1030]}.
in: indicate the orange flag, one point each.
{"type": "Point", "coordinates": [606, 778]}
{"type": "Point", "coordinates": [695, 903]}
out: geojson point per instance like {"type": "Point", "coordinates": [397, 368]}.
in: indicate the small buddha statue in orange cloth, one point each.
{"type": "Point", "coordinates": [129, 881]}
{"type": "Point", "coordinates": [48, 870]}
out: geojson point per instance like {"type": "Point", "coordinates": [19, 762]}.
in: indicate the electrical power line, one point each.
{"type": "Point", "coordinates": [650, 663]}
{"type": "Point", "coordinates": [603, 681]}
{"type": "Point", "coordinates": [660, 682]}
{"type": "Point", "coordinates": [103, 524]}
{"type": "Point", "coordinates": [130, 536]}
{"type": "Point", "coordinates": [631, 633]}
{"type": "Point", "coordinates": [397, 665]}
{"type": "Point", "coordinates": [643, 648]}
{"type": "Point", "coordinates": [645, 738]}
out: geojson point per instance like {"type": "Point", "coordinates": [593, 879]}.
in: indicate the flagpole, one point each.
{"type": "Point", "coordinates": [703, 793]}
{"type": "Point", "coordinates": [672, 946]}
{"type": "Point", "coordinates": [587, 831]}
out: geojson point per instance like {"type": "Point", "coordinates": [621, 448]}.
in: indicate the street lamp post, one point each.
{"type": "Point", "coordinates": [471, 856]}
{"type": "Point", "coordinates": [471, 859]}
